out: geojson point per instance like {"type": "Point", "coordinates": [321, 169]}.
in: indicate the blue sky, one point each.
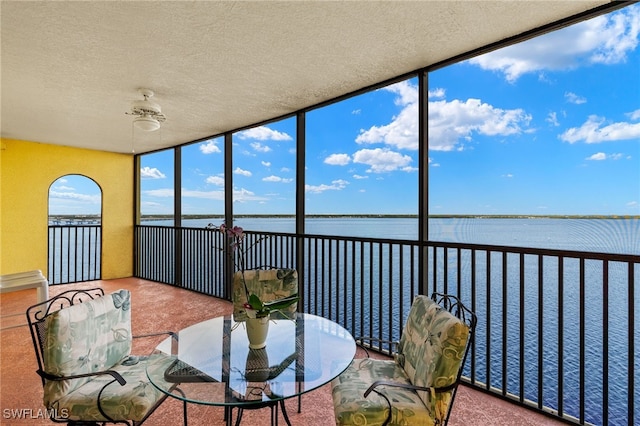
{"type": "Point", "coordinates": [548, 126]}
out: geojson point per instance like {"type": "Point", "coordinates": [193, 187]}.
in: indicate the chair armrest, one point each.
{"type": "Point", "coordinates": [111, 373]}
{"type": "Point", "coordinates": [360, 341]}
{"type": "Point", "coordinates": [407, 386]}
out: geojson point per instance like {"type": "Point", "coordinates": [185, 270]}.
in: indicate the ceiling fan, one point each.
{"type": "Point", "coordinates": [148, 113]}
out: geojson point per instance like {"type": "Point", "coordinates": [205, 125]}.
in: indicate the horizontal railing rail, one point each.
{"type": "Point", "coordinates": [557, 329]}
{"type": "Point", "coordinates": [74, 253]}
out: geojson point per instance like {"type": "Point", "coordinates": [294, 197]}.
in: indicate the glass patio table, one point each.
{"type": "Point", "coordinates": [213, 365]}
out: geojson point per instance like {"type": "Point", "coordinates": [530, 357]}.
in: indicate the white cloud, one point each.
{"type": "Point", "coordinates": [161, 193]}
{"type": "Point", "coordinates": [381, 160]}
{"type": "Point", "coordinates": [209, 147]}
{"type": "Point", "coordinates": [360, 177]}
{"type": "Point", "coordinates": [507, 175]}
{"type": "Point", "coordinates": [336, 185]}
{"type": "Point", "coordinates": [407, 94]}
{"type": "Point", "coordinates": [89, 198]}
{"type": "Point", "coordinates": [207, 195]}
{"type": "Point", "coordinates": [266, 163]}
{"type": "Point", "coordinates": [273, 178]}
{"type": "Point", "coordinates": [64, 188]}
{"type": "Point", "coordinates": [402, 132]}
{"type": "Point", "coordinates": [634, 115]}
{"type": "Point", "coordinates": [257, 146]}
{"type": "Point", "coordinates": [338, 159]}
{"type": "Point", "coordinates": [605, 39]}
{"type": "Point", "coordinates": [596, 130]}
{"type": "Point", "coordinates": [215, 180]}
{"type": "Point", "coordinates": [243, 195]}
{"type": "Point", "coordinates": [599, 156]}
{"type": "Point", "coordinates": [552, 119]}
{"type": "Point", "coordinates": [438, 93]}
{"type": "Point", "coordinates": [572, 98]}
{"type": "Point", "coordinates": [263, 133]}
{"type": "Point", "coordinates": [241, 172]}
{"type": "Point", "coordinates": [151, 173]}
{"type": "Point", "coordinates": [449, 122]}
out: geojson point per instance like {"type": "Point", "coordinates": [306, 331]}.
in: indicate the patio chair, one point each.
{"type": "Point", "coordinates": [268, 284]}
{"type": "Point", "coordinates": [82, 340]}
{"type": "Point", "coordinates": [418, 386]}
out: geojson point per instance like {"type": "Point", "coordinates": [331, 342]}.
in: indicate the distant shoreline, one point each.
{"type": "Point", "coordinates": [358, 216]}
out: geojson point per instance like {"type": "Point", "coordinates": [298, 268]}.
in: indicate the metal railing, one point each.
{"type": "Point", "coordinates": [74, 253]}
{"type": "Point", "coordinates": [556, 332]}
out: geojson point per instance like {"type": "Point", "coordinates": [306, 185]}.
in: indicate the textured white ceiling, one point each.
{"type": "Point", "coordinates": [70, 70]}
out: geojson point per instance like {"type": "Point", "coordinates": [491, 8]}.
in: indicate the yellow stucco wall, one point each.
{"type": "Point", "coordinates": [27, 169]}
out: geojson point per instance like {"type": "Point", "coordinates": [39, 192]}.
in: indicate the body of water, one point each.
{"type": "Point", "coordinates": [621, 236]}
{"type": "Point", "coordinates": [618, 236]}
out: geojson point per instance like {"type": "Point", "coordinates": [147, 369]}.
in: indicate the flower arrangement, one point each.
{"type": "Point", "coordinates": [254, 305]}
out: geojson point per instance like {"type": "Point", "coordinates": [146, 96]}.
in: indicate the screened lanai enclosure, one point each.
{"type": "Point", "coordinates": [483, 149]}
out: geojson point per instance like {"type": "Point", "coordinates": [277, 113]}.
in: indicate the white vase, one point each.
{"type": "Point", "coordinates": [257, 330]}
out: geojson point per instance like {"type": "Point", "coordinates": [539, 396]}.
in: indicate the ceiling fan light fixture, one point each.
{"type": "Point", "coordinates": [146, 123]}
{"type": "Point", "coordinates": [148, 113]}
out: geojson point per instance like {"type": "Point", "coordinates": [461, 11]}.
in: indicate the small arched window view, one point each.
{"type": "Point", "coordinates": [74, 199]}
{"type": "Point", "coordinates": [75, 231]}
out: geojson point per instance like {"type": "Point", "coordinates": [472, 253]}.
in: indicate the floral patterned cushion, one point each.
{"type": "Point", "coordinates": [431, 350]}
{"type": "Point", "coordinates": [430, 353]}
{"type": "Point", "coordinates": [268, 285]}
{"type": "Point", "coordinates": [129, 402]}
{"type": "Point", "coordinates": [89, 337]}
{"type": "Point", "coordinates": [351, 408]}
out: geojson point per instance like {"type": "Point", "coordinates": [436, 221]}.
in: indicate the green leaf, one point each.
{"type": "Point", "coordinates": [256, 303]}
{"type": "Point", "coordinates": [281, 303]}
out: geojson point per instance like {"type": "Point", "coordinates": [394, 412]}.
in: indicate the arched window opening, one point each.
{"type": "Point", "coordinates": [75, 230]}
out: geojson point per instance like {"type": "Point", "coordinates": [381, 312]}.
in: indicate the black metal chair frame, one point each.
{"type": "Point", "coordinates": [36, 315]}
{"type": "Point", "coordinates": [452, 304]}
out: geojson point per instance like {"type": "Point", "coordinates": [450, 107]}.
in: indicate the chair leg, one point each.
{"type": "Point", "coordinates": [239, 418]}
{"type": "Point", "coordinates": [284, 412]}
{"type": "Point", "coordinates": [274, 415]}
{"type": "Point", "coordinates": [184, 412]}
{"type": "Point", "coordinates": [228, 415]}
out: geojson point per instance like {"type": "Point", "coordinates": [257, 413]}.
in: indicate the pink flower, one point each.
{"type": "Point", "coordinates": [236, 232]}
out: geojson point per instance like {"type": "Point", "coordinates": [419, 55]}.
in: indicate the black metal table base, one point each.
{"type": "Point", "coordinates": [274, 406]}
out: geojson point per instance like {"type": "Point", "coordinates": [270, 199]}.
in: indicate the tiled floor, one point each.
{"type": "Point", "coordinates": [161, 307]}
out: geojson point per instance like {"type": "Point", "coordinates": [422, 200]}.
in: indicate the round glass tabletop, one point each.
{"type": "Point", "coordinates": [210, 362]}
